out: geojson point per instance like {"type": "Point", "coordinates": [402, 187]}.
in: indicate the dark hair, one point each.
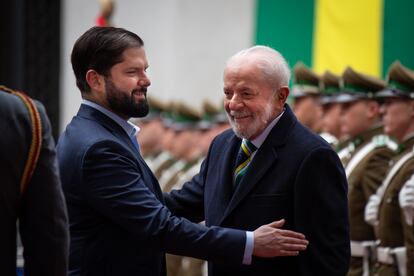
{"type": "Point", "coordinates": [99, 49]}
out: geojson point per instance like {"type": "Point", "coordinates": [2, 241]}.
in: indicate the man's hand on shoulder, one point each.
{"type": "Point", "coordinates": [271, 241]}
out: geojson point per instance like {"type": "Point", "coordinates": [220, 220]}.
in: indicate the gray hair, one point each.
{"type": "Point", "coordinates": [271, 62]}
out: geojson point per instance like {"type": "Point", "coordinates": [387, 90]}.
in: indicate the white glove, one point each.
{"type": "Point", "coordinates": [406, 198]}
{"type": "Point", "coordinates": [371, 210]}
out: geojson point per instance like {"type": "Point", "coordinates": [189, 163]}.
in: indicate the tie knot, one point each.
{"type": "Point", "coordinates": [243, 159]}
{"type": "Point", "coordinates": [247, 147]}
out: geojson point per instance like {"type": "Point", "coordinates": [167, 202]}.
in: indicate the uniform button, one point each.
{"type": "Point", "coordinates": [389, 200]}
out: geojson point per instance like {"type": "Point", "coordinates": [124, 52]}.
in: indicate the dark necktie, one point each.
{"type": "Point", "coordinates": [243, 160]}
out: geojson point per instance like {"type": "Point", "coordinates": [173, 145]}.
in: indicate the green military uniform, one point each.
{"type": "Point", "coordinates": [392, 228]}
{"type": "Point", "coordinates": [393, 232]}
{"type": "Point", "coordinates": [365, 163]}
{"type": "Point", "coordinates": [184, 119]}
{"type": "Point", "coordinates": [174, 177]}
{"type": "Point", "coordinates": [364, 178]}
{"type": "Point", "coordinates": [162, 162]}
{"type": "Point", "coordinates": [179, 265]}
{"type": "Point", "coordinates": [188, 266]}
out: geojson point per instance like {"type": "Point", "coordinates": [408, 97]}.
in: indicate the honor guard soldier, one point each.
{"type": "Point", "coordinates": [183, 149]}
{"type": "Point", "coordinates": [306, 97]}
{"type": "Point", "coordinates": [217, 122]}
{"type": "Point", "coordinates": [367, 163]}
{"type": "Point", "coordinates": [185, 152]}
{"type": "Point", "coordinates": [394, 236]}
{"type": "Point", "coordinates": [357, 100]}
{"type": "Point", "coordinates": [331, 125]}
{"type": "Point", "coordinates": [164, 160]}
{"type": "Point", "coordinates": [213, 122]}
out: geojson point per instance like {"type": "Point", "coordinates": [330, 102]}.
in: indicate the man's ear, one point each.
{"type": "Point", "coordinates": [283, 93]}
{"type": "Point", "coordinates": [373, 109]}
{"type": "Point", "coordinates": [95, 81]}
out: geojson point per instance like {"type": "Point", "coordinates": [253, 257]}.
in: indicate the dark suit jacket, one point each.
{"type": "Point", "coordinates": [41, 211]}
{"type": "Point", "coordinates": [118, 222]}
{"type": "Point", "coordinates": [294, 175]}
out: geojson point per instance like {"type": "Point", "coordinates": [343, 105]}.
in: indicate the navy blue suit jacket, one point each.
{"type": "Point", "coordinates": [294, 175]}
{"type": "Point", "coordinates": [118, 222]}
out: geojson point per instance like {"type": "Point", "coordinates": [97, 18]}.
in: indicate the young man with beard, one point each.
{"type": "Point", "coordinates": [118, 222]}
{"type": "Point", "coordinates": [395, 235]}
{"type": "Point", "coordinates": [287, 173]}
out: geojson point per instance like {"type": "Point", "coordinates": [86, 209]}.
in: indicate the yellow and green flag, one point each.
{"type": "Point", "coordinates": [332, 34]}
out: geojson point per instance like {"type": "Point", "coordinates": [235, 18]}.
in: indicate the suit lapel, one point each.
{"type": "Point", "coordinates": [264, 160]}
{"type": "Point", "coordinates": [223, 188]}
{"type": "Point", "coordinates": [261, 163]}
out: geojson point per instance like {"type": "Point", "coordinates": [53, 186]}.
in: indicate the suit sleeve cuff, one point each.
{"type": "Point", "coordinates": [248, 250]}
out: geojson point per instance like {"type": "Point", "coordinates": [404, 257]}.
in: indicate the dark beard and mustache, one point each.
{"type": "Point", "coordinates": [124, 103]}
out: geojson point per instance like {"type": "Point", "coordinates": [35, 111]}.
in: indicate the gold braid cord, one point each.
{"type": "Point", "coordinates": [36, 143]}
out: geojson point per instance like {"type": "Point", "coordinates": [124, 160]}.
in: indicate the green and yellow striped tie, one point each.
{"type": "Point", "coordinates": [243, 160]}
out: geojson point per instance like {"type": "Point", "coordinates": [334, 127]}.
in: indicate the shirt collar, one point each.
{"type": "Point", "coordinates": [127, 126]}
{"type": "Point", "coordinates": [258, 141]}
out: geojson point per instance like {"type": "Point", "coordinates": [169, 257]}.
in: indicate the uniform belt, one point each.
{"type": "Point", "coordinates": [360, 248]}
{"type": "Point", "coordinates": [388, 255]}
{"type": "Point", "coordinates": [393, 256]}
{"type": "Point", "coordinates": [363, 249]}
{"type": "Point", "coordinates": [384, 255]}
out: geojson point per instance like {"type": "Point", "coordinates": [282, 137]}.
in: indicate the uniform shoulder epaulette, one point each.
{"type": "Point", "coordinates": [329, 138]}
{"type": "Point", "coordinates": [36, 131]}
{"type": "Point", "coordinates": [383, 140]}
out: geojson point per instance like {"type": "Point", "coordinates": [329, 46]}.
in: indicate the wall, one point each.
{"type": "Point", "coordinates": [187, 44]}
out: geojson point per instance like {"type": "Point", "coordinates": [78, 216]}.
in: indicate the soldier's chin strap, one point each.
{"type": "Point", "coordinates": [36, 143]}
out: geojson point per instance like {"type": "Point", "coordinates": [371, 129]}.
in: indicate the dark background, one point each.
{"type": "Point", "coordinates": [30, 51]}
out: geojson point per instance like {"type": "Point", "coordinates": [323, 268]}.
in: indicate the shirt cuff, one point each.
{"type": "Point", "coordinates": [248, 250]}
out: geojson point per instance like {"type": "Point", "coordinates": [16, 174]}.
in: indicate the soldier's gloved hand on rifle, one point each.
{"type": "Point", "coordinates": [406, 199]}
{"type": "Point", "coordinates": [371, 210]}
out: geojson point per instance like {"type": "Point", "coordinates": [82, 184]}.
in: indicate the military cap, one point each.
{"type": "Point", "coordinates": [156, 107]}
{"type": "Point", "coordinates": [357, 86]}
{"type": "Point", "coordinates": [330, 87]}
{"type": "Point", "coordinates": [400, 82]}
{"type": "Point", "coordinates": [217, 113]}
{"type": "Point", "coordinates": [184, 117]}
{"type": "Point", "coordinates": [305, 83]}
{"type": "Point", "coordinates": [167, 115]}
{"type": "Point", "coordinates": [209, 110]}
{"type": "Point", "coordinates": [209, 113]}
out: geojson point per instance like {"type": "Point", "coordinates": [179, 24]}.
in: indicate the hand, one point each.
{"type": "Point", "coordinates": [371, 210]}
{"type": "Point", "coordinates": [406, 198]}
{"type": "Point", "coordinates": [270, 241]}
